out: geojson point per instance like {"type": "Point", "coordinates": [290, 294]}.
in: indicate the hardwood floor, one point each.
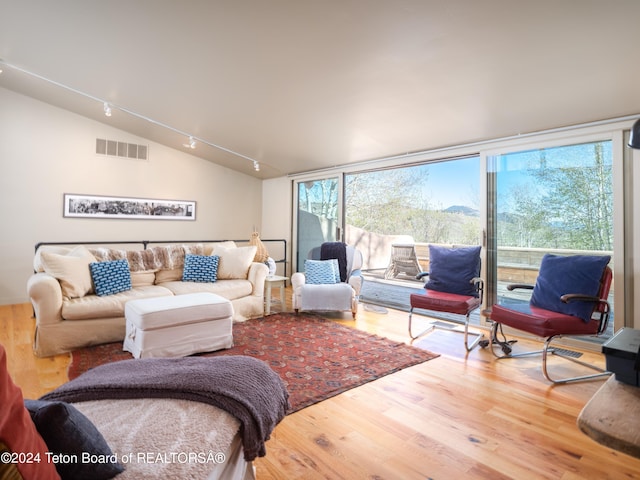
{"type": "Point", "coordinates": [458, 416]}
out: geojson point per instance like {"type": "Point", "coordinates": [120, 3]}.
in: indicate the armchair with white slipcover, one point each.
{"type": "Point", "coordinates": [331, 280]}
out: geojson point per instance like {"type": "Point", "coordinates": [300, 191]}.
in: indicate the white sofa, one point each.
{"type": "Point", "coordinates": [69, 315]}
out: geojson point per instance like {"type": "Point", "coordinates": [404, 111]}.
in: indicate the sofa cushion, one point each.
{"type": "Point", "coordinates": [169, 275]}
{"type": "Point", "coordinates": [234, 262]}
{"type": "Point", "coordinates": [17, 430]}
{"type": "Point", "coordinates": [208, 247]}
{"type": "Point", "coordinates": [37, 258]}
{"type": "Point", "coordinates": [110, 277]}
{"type": "Point", "coordinates": [229, 289]}
{"type": "Point", "coordinates": [111, 306]}
{"type": "Point", "coordinates": [71, 270]}
{"type": "Point", "coordinates": [200, 268]}
{"type": "Point", "coordinates": [66, 431]}
{"type": "Point", "coordinates": [139, 279]}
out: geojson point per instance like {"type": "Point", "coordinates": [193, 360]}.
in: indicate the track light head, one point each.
{"type": "Point", "coordinates": [107, 109]}
{"type": "Point", "coordinates": [256, 166]}
{"type": "Point", "coordinates": [634, 139]}
{"type": "Point", "coordinates": [191, 144]}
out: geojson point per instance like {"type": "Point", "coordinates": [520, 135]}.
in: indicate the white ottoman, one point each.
{"type": "Point", "coordinates": [178, 326]}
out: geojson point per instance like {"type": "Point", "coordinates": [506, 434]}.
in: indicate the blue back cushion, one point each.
{"type": "Point", "coordinates": [110, 277]}
{"type": "Point", "coordinates": [560, 275]}
{"type": "Point", "coordinates": [320, 272]}
{"type": "Point", "coordinates": [200, 268]}
{"type": "Point", "coordinates": [452, 269]}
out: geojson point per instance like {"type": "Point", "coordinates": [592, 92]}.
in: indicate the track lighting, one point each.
{"type": "Point", "coordinates": [191, 144]}
{"type": "Point", "coordinates": [108, 109]}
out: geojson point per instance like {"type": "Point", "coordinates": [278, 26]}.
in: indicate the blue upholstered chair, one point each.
{"type": "Point", "coordinates": [454, 286]}
{"type": "Point", "coordinates": [568, 299]}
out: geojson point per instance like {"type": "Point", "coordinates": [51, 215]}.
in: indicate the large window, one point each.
{"type": "Point", "coordinates": [519, 198]}
{"type": "Point", "coordinates": [550, 200]}
{"type": "Point", "coordinates": [427, 203]}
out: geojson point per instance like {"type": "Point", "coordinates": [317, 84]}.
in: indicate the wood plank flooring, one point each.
{"type": "Point", "coordinates": [458, 416]}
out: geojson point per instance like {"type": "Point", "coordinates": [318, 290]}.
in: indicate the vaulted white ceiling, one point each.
{"type": "Point", "coordinates": [300, 85]}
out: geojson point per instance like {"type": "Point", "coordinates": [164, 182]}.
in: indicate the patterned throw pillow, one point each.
{"type": "Point", "coordinates": [321, 272]}
{"type": "Point", "coordinates": [200, 268]}
{"type": "Point", "coordinates": [110, 277]}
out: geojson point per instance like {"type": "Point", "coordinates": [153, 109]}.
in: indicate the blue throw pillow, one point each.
{"type": "Point", "coordinates": [560, 275]}
{"type": "Point", "coordinates": [200, 268]}
{"type": "Point", "coordinates": [321, 272]}
{"type": "Point", "coordinates": [67, 431]}
{"type": "Point", "coordinates": [452, 269]}
{"type": "Point", "coordinates": [110, 277]}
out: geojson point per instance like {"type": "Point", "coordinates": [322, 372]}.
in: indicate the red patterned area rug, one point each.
{"type": "Point", "coordinates": [316, 358]}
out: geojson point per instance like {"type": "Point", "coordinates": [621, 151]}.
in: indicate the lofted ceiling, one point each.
{"type": "Point", "coordinates": [301, 85]}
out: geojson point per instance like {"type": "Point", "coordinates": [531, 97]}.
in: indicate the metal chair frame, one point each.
{"type": "Point", "coordinates": [601, 309]}
{"type": "Point", "coordinates": [479, 285]}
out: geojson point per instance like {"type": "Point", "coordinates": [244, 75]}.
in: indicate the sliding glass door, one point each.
{"type": "Point", "coordinates": [435, 202]}
{"type": "Point", "coordinates": [317, 215]}
{"type": "Point", "coordinates": [549, 200]}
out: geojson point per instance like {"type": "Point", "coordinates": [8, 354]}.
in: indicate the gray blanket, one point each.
{"type": "Point", "coordinates": [243, 386]}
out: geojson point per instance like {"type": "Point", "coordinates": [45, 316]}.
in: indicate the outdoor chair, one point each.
{"type": "Point", "coordinates": [331, 280]}
{"type": "Point", "coordinates": [403, 260]}
{"type": "Point", "coordinates": [568, 299]}
{"type": "Point", "coordinates": [454, 286]}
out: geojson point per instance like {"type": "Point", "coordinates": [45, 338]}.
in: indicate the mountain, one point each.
{"type": "Point", "coordinates": [471, 212]}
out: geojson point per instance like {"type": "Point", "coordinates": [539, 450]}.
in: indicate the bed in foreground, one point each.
{"type": "Point", "coordinates": [192, 417]}
{"type": "Point", "coordinates": [168, 438]}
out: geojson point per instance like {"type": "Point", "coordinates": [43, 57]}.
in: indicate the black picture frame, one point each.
{"type": "Point", "coordinates": [114, 207]}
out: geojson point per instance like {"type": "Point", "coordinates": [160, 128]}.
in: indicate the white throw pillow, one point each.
{"type": "Point", "coordinates": [208, 247]}
{"type": "Point", "coordinates": [71, 270]}
{"type": "Point", "coordinates": [234, 262]}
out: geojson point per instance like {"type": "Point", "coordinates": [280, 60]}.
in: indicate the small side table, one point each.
{"type": "Point", "coordinates": [269, 283]}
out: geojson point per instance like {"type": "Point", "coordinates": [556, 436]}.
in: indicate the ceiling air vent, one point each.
{"type": "Point", "coordinates": [114, 148]}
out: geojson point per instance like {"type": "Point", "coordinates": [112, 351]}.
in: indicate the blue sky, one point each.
{"type": "Point", "coordinates": [453, 182]}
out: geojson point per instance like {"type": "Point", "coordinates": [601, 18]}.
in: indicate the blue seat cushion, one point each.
{"type": "Point", "coordinates": [452, 269]}
{"type": "Point", "coordinates": [560, 275]}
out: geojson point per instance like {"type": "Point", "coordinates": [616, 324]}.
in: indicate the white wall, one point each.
{"type": "Point", "coordinates": [276, 212]}
{"type": "Point", "coordinates": [46, 152]}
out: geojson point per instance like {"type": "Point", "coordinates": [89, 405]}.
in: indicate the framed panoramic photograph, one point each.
{"type": "Point", "coordinates": [98, 206]}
